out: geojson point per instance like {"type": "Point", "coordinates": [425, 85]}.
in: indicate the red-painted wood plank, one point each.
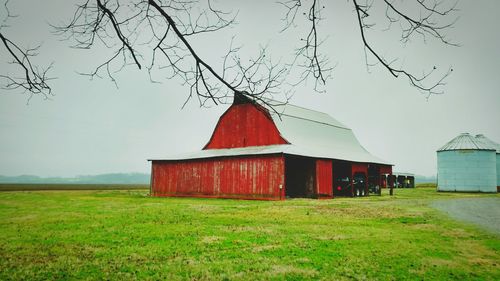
{"type": "Point", "coordinates": [244, 125]}
{"type": "Point", "coordinates": [257, 177]}
{"type": "Point", "coordinates": [324, 178]}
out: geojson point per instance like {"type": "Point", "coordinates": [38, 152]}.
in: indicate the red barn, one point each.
{"type": "Point", "coordinates": [255, 153]}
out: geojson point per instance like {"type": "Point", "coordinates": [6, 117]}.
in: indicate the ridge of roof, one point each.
{"type": "Point", "coordinates": [324, 123]}
{"type": "Point", "coordinates": [291, 110]}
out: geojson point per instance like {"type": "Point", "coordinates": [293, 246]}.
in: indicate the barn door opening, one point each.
{"type": "Point", "coordinates": [342, 185]}
{"type": "Point", "coordinates": [299, 177]}
{"type": "Point", "coordinates": [374, 183]}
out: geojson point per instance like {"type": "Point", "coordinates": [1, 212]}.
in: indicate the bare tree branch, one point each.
{"type": "Point", "coordinates": [27, 77]}
{"type": "Point", "coordinates": [116, 27]}
{"type": "Point", "coordinates": [158, 33]}
{"type": "Point", "coordinates": [164, 28]}
{"type": "Point", "coordinates": [429, 21]}
{"type": "Point", "coordinates": [424, 25]}
{"type": "Point", "coordinates": [308, 57]}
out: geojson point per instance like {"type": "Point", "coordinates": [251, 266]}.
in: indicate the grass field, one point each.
{"type": "Point", "coordinates": [124, 235]}
{"type": "Point", "coordinates": [56, 186]}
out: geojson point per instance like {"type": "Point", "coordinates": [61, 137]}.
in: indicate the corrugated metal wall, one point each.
{"type": "Point", "coordinates": [467, 170]}
{"type": "Point", "coordinates": [324, 178]}
{"type": "Point", "coordinates": [244, 125]}
{"type": "Point", "coordinates": [248, 177]}
{"type": "Point", "coordinates": [498, 172]}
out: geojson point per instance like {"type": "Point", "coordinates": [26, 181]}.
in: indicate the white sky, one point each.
{"type": "Point", "coordinates": [92, 127]}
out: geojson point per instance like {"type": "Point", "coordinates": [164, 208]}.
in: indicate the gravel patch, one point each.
{"type": "Point", "coordinates": [483, 212]}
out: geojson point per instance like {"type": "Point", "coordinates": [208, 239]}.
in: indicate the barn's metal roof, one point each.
{"type": "Point", "coordinates": [310, 133]}
{"type": "Point", "coordinates": [466, 141]}
{"type": "Point", "coordinates": [317, 134]}
{"type": "Point", "coordinates": [288, 149]}
{"type": "Point", "coordinates": [224, 152]}
{"type": "Point", "coordinates": [289, 110]}
{"type": "Point", "coordinates": [403, 174]}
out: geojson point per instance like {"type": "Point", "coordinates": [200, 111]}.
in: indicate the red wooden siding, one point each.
{"type": "Point", "coordinates": [324, 178]}
{"type": "Point", "coordinates": [385, 169]}
{"type": "Point", "coordinates": [359, 167]}
{"type": "Point", "coordinates": [245, 125]}
{"type": "Point", "coordinates": [249, 177]}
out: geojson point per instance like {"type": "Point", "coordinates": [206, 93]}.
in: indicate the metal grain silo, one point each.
{"type": "Point", "coordinates": [487, 141]}
{"type": "Point", "coordinates": [467, 164]}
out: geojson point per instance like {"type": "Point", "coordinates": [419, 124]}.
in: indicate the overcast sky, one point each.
{"type": "Point", "coordinates": [91, 127]}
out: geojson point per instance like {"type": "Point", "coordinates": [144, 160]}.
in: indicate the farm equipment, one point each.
{"type": "Point", "coordinates": [355, 188]}
{"type": "Point", "coordinates": [359, 184]}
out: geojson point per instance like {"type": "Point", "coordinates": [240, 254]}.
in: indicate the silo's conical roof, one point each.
{"type": "Point", "coordinates": [488, 142]}
{"type": "Point", "coordinates": [466, 141]}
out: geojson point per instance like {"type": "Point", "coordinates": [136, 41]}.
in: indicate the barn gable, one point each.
{"type": "Point", "coordinates": [245, 124]}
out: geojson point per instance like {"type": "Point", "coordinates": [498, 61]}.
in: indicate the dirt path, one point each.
{"type": "Point", "coordinates": [484, 212]}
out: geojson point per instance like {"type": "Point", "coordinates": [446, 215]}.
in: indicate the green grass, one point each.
{"type": "Point", "coordinates": [56, 186]}
{"type": "Point", "coordinates": [127, 235]}
{"type": "Point", "coordinates": [426, 185]}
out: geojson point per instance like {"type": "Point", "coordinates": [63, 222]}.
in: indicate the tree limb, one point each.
{"type": "Point", "coordinates": [31, 79]}
{"type": "Point", "coordinates": [421, 26]}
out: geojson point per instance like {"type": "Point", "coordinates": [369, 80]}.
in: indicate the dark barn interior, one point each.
{"type": "Point", "coordinates": [342, 178]}
{"type": "Point", "coordinates": [299, 177]}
